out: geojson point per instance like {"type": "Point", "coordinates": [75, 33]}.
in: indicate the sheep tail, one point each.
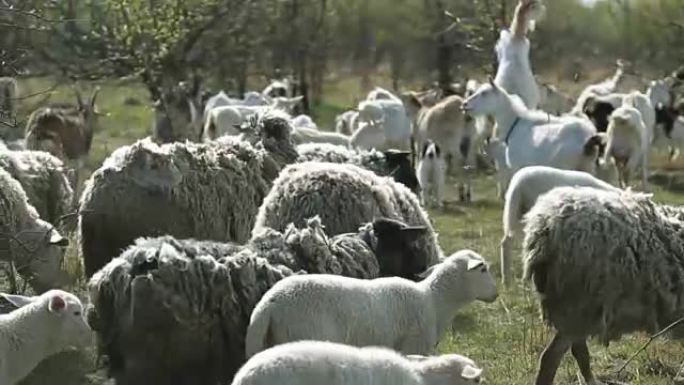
{"type": "Point", "coordinates": [259, 332]}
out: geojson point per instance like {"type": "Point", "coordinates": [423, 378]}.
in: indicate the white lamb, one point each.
{"type": "Point", "coordinates": [431, 173]}
{"type": "Point", "coordinates": [535, 137]}
{"type": "Point", "coordinates": [514, 72]}
{"type": "Point", "coordinates": [627, 144]}
{"type": "Point", "coordinates": [407, 316]}
{"type": "Point", "coordinates": [42, 326]}
{"type": "Point", "coordinates": [320, 362]}
{"type": "Point", "coordinates": [526, 186]}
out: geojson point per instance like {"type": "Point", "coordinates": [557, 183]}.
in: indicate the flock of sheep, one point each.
{"type": "Point", "coordinates": [252, 248]}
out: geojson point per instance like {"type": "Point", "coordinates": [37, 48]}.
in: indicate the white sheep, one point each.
{"type": "Point", "coordinates": [535, 137]}
{"type": "Point", "coordinates": [304, 134]}
{"type": "Point", "coordinates": [431, 172]}
{"type": "Point", "coordinates": [222, 120]}
{"type": "Point", "coordinates": [526, 186]}
{"type": "Point", "coordinates": [320, 362]}
{"type": "Point", "coordinates": [627, 144]}
{"type": "Point", "coordinates": [393, 312]}
{"type": "Point", "coordinates": [514, 72]}
{"type": "Point", "coordinates": [386, 110]}
{"type": "Point", "coordinates": [42, 326]}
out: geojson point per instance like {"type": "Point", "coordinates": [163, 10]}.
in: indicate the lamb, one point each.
{"type": "Point", "coordinates": [32, 244]}
{"type": "Point", "coordinates": [514, 72]}
{"type": "Point", "coordinates": [303, 190]}
{"type": "Point", "coordinates": [318, 362]}
{"type": "Point", "coordinates": [346, 310]}
{"type": "Point", "coordinates": [525, 188]}
{"type": "Point", "coordinates": [431, 173]}
{"type": "Point", "coordinates": [533, 137]}
{"type": "Point", "coordinates": [604, 264]}
{"type": "Point", "coordinates": [151, 292]}
{"type": "Point", "coordinates": [302, 134]}
{"type": "Point", "coordinates": [385, 110]}
{"type": "Point", "coordinates": [346, 122]}
{"type": "Point", "coordinates": [65, 131]}
{"type": "Point", "coordinates": [44, 180]}
{"type": "Point", "coordinates": [182, 185]}
{"type": "Point", "coordinates": [42, 326]}
{"type": "Point", "coordinates": [396, 164]}
{"type": "Point", "coordinates": [599, 109]}
{"type": "Point", "coordinates": [628, 144]}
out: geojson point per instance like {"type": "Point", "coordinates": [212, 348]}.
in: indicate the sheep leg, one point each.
{"type": "Point", "coordinates": [506, 260]}
{"type": "Point", "coordinates": [551, 359]}
{"type": "Point", "coordinates": [580, 351]}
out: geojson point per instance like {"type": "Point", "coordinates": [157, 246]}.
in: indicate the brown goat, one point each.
{"type": "Point", "coordinates": [64, 130]}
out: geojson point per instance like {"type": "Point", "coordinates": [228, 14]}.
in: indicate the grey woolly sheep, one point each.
{"type": "Point", "coordinates": [604, 264]}
{"type": "Point", "coordinates": [44, 180]}
{"type": "Point", "coordinates": [186, 190]}
{"type": "Point", "coordinates": [33, 244]}
{"type": "Point", "coordinates": [344, 196]}
{"type": "Point", "coordinates": [394, 163]}
{"type": "Point", "coordinates": [159, 307]}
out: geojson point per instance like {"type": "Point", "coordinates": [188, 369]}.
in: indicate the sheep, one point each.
{"type": "Point", "coordinates": [346, 122]}
{"type": "Point", "coordinates": [32, 244]}
{"type": "Point", "coordinates": [396, 164]}
{"type": "Point", "coordinates": [41, 327]}
{"type": "Point", "coordinates": [514, 72]}
{"type": "Point", "coordinates": [431, 173]}
{"type": "Point", "coordinates": [599, 109]}
{"type": "Point", "coordinates": [175, 188]}
{"type": "Point", "coordinates": [533, 137]}
{"type": "Point", "coordinates": [65, 131]}
{"type": "Point", "coordinates": [318, 362]}
{"type": "Point", "coordinates": [627, 144]}
{"type": "Point", "coordinates": [604, 264]}
{"type": "Point", "coordinates": [222, 120]}
{"type": "Point", "coordinates": [150, 293]}
{"type": "Point", "coordinates": [525, 188]}
{"type": "Point", "coordinates": [302, 135]}
{"type": "Point", "coordinates": [44, 180]}
{"type": "Point", "coordinates": [306, 189]}
{"type": "Point", "coordinates": [221, 99]}
{"type": "Point", "coordinates": [340, 309]}
{"type": "Point", "coordinates": [382, 108]}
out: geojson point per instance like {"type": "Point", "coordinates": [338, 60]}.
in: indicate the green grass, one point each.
{"type": "Point", "coordinates": [507, 336]}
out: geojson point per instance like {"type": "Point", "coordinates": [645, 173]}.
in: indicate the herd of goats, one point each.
{"type": "Point", "coordinates": [239, 244]}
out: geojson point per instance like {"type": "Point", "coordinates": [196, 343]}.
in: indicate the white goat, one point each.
{"type": "Point", "coordinates": [526, 186]}
{"type": "Point", "coordinates": [606, 87]}
{"type": "Point", "coordinates": [535, 137]}
{"type": "Point", "coordinates": [321, 362]}
{"type": "Point", "coordinates": [346, 122]}
{"type": "Point", "coordinates": [386, 110]}
{"type": "Point", "coordinates": [627, 144]}
{"type": "Point", "coordinates": [392, 312]}
{"type": "Point", "coordinates": [42, 326]}
{"type": "Point", "coordinates": [514, 72]}
{"type": "Point", "coordinates": [431, 172]}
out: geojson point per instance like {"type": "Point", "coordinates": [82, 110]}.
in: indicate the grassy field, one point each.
{"type": "Point", "coordinates": [507, 336]}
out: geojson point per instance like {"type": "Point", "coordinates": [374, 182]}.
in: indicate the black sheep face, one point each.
{"type": "Point", "coordinates": [399, 162]}
{"type": "Point", "coordinates": [396, 248]}
{"type": "Point", "coordinates": [599, 113]}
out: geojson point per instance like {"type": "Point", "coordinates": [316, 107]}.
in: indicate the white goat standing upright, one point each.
{"type": "Point", "coordinates": [535, 137]}
{"type": "Point", "coordinates": [628, 144]}
{"type": "Point", "coordinates": [514, 72]}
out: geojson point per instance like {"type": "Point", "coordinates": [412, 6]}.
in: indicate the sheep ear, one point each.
{"type": "Point", "coordinates": [58, 240]}
{"type": "Point", "coordinates": [470, 372]}
{"type": "Point", "coordinates": [56, 304]}
{"type": "Point", "coordinates": [474, 264]}
{"type": "Point", "coordinates": [18, 300]}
